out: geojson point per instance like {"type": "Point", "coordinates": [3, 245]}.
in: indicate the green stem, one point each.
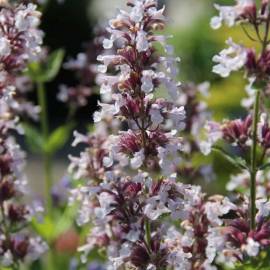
{"type": "Point", "coordinates": [148, 233]}
{"type": "Point", "coordinates": [253, 169]}
{"type": "Point", "coordinates": [42, 100]}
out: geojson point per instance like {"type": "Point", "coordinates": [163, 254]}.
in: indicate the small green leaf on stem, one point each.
{"type": "Point", "coordinates": [34, 139]}
{"type": "Point", "coordinates": [58, 138]}
{"type": "Point", "coordinates": [46, 72]}
{"type": "Point", "coordinates": [235, 161]}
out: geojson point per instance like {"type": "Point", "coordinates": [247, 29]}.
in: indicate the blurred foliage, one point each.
{"type": "Point", "coordinates": [196, 46]}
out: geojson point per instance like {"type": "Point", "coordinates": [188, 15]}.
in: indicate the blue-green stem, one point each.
{"type": "Point", "coordinates": [253, 158]}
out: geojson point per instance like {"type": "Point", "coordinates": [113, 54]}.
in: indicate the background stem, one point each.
{"type": "Point", "coordinates": [47, 158]}
{"type": "Point", "coordinates": [253, 170]}
{"type": "Point", "coordinates": [42, 100]}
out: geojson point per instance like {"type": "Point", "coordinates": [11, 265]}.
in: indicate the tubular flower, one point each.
{"type": "Point", "coordinates": [139, 72]}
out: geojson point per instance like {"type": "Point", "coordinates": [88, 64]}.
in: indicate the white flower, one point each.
{"type": "Point", "coordinates": [142, 43]}
{"type": "Point", "coordinates": [229, 14]}
{"type": "Point", "coordinates": [108, 161]}
{"type": "Point", "coordinates": [107, 43]}
{"type": "Point", "coordinates": [4, 46]}
{"type": "Point", "coordinates": [133, 235]}
{"type": "Point", "coordinates": [215, 243]}
{"type": "Point", "coordinates": [154, 209]}
{"type": "Point", "coordinates": [105, 200]}
{"type": "Point", "coordinates": [237, 181]}
{"type": "Point", "coordinates": [106, 109]}
{"type": "Point", "coordinates": [151, 267]}
{"type": "Point", "coordinates": [215, 210]}
{"type": "Point", "coordinates": [206, 147]}
{"type": "Point", "coordinates": [169, 158]}
{"type": "Point", "coordinates": [37, 248]}
{"type": "Point", "coordinates": [107, 60]}
{"type": "Point", "coordinates": [79, 62]}
{"type": "Point", "coordinates": [79, 138]}
{"type": "Point", "coordinates": [226, 13]}
{"type": "Point", "coordinates": [137, 161]}
{"type": "Point", "coordinates": [155, 114]}
{"type": "Point", "coordinates": [252, 248]}
{"type": "Point", "coordinates": [263, 206]}
{"type": "Point", "coordinates": [178, 115]}
{"type": "Point", "coordinates": [214, 133]}
{"type": "Point", "coordinates": [261, 125]}
{"type": "Point", "coordinates": [147, 81]}
{"type": "Point", "coordinates": [204, 88]}
{"type": "Point", "coordinates": [27, 18]}
{"type": "Point", "coordinates": [7, 258]}
{"type": "Point", "coordinates": [137, 12]}
{"type": "Point", "coordinates": [172, 86]}
{"type": "Point", "coordinates": [248, 101]}
{"type": "Point", "coordinates": [230, 59]}
{"type": "Point", "coordinates": [170, 64]}
{"type": "Point", "coordinates": [179, 259]}
{"type": "Point", "coordinates": [124, 252]}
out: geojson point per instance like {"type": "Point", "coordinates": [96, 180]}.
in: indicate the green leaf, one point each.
{"type": "Point", "coordinates": [45, 228]}
{"type": "Point", "coordinates": [58, 138]}
{"type": "Point", "coordinates": [34, 70]}
{"type": "Point", "coordinates": [50, 229]}
{"type": "Point", "coordinates": [36, 265]}
{"type": "Point", "coordinates": [264, 166]}
{"type": "Point", "coordinates": [34, 139]}
{"type": "Point", "coordinates": [46, 72]}
{"type": "Point", "coordinates": [52, 66]}
{"type": "Point", "coordinates": [66, 221]}
{"type": "Point", "coordinates": [235, 161]}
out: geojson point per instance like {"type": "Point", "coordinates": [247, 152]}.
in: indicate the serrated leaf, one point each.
{"type": "Point", "coordinates": [33, 138]}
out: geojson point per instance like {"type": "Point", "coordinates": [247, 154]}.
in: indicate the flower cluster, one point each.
{"type": "Point", "coordinates": [19, 43]}
{"type": "Point", "coordinates": [193, 99]}
{"type": "Point", "coordinates": [153, 123]}
{"type": "Point", "coordinates": [244, 230]}
{"type": "Point", "coordinates": [85, 68]}
{"type": "Point", "coordinates": [15, 244]}
{"type": "Point", "coordinates": [237, 56]}
{"type": "Point", "coordinates": [141, 216]}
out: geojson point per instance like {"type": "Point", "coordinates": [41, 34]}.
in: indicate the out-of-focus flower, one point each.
{"type": "Point", "coordinates": [230, 59]}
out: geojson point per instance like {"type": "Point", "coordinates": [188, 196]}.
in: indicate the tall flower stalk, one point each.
{"type": "Point", "coordinates": [253, 158]}
{"type": "Point", "coordinates": [129, 173]}
{"type": "Point", "coordinates": [237, 57]}
{"type": "Point", "coordinates": [20, 41]}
